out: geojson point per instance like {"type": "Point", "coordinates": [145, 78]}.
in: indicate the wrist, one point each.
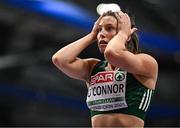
{"type": "Point", "coordinates": [93, 36]}
{"type": "Point", "coordinates": [123, 35]}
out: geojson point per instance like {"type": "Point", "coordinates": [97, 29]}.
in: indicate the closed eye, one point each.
{"type": "Point", "coordinates": [99, 29]}
{"type": "Point", "coordinates": [110, 28]}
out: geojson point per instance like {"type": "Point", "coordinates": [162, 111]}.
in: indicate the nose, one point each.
{"type": "Point", "coordinates": [102, 33]}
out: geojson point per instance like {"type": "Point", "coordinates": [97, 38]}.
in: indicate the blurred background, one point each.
{"type": "Point", "coordinates": [33, 92]}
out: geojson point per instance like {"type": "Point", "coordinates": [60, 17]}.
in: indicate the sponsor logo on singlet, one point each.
{"type": "Point", "coordinates": [107, 91]}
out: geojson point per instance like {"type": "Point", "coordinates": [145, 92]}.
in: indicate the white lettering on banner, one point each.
{"type": "Point", "coordinates": [102, 77]}
{"type": "Point", "coordinates": [105, 86]}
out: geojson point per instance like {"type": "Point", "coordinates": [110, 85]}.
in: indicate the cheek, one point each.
{"type": "Point", "coordinates": [98, 35]}
{"type": "Point", "coordinates": [112, 35]}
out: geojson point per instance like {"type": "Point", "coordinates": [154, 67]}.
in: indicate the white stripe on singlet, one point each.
{"type": "Point", "coordinates": [145, 100]}
{"type": "Point", "coordinates": [142, 101]}
{"type": "Point", "coordinates": [149, 100]}
{"type": "Point", "coordinates": [147, 97]}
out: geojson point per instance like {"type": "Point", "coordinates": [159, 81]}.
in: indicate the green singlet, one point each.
{"type": "Point", "coordinates": [117, 92]}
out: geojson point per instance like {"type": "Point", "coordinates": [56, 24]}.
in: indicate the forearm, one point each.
{"type": "Point", "coordinates": [116, 51]}
{"type": "Point", "coordinates": [117, 44]}
{"type": "Point", "coordinates": [69, 53]}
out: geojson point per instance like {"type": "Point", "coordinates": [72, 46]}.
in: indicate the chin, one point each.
{"type": "Point", "coordinates": [102, 50]}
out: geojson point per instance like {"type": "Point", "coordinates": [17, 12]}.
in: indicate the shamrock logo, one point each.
{"type": "Point", "coordinates": [119, 76]}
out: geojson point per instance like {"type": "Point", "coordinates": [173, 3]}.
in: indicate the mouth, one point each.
{"type": "Point", "coordinates": [102, 42]}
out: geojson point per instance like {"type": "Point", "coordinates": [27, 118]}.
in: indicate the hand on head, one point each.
{"type": "Point", "coordinates": [96, 27]}
{"type": "Point", "coordinates": [124, 24]}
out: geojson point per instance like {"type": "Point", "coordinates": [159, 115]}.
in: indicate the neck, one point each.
{"type": "Point", "coordinates": [111, 67]}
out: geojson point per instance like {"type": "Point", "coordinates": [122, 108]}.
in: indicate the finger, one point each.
{"type": "Point", "coordinates": [120, 12]}
{"type": "Point", "coordinates": [127, 15]}
{"type": "Point", "coordinates": [99, 19]}
{"type": "Point", "coordinates": [117, 16]}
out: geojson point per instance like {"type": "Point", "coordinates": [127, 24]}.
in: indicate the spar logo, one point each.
{"type": "Point", "coordinates": [119, 76]}
{"type": "Point", "coordinates": [102, 77]}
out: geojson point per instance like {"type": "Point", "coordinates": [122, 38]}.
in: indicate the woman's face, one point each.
{"type": "Point", "coordinates": [107, 30]}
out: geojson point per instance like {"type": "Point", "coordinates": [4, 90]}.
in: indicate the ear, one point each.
{"type": "Point", "coordinates": [129, 38]}
{"type": "Point", "coordinates": [133, 30]}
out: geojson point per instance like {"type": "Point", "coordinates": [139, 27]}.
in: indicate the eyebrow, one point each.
{"type": "Point", "coordinates": [106, 25]}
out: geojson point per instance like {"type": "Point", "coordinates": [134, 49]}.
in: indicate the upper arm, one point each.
{"type": "Point", "coordinates": [140, 64]}
{"type": "Point", "coordinates": [79, 68]}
